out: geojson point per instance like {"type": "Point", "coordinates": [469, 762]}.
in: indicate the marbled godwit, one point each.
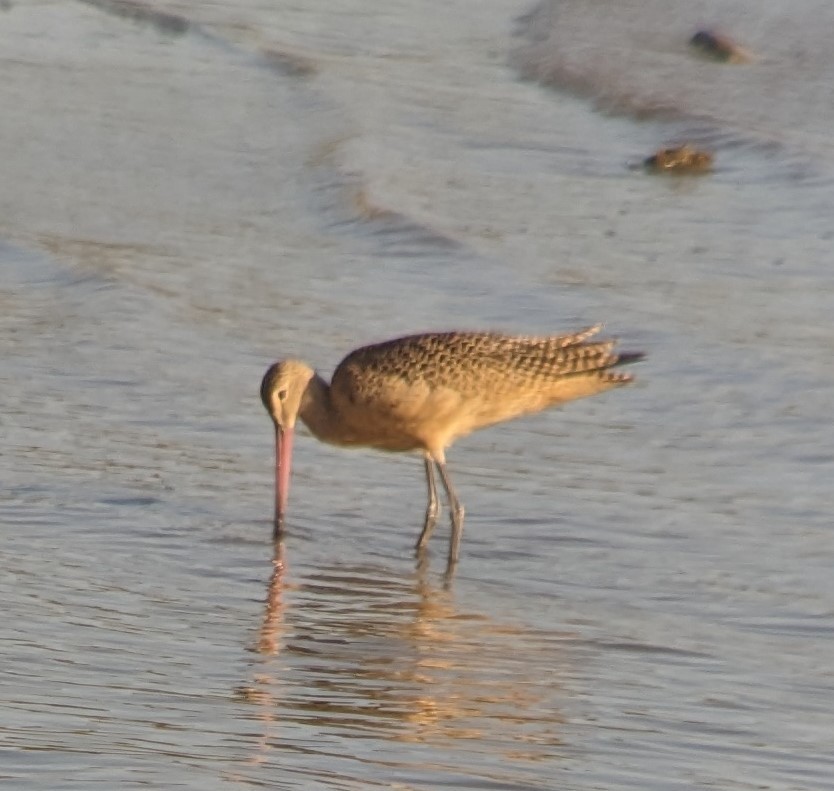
{"type": "Point", "coordinates": [422, 392]}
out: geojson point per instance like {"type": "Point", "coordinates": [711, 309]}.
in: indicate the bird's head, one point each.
{"type": "Point", "coordinates": [282, 393]}
{"type": "Point", "coordinates": [282, 390]}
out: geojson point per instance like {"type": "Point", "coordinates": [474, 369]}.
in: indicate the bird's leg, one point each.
{"type": "Point", "coordinates": [456, 513]}
{"type": "Point", "coordinates": [431, 508]}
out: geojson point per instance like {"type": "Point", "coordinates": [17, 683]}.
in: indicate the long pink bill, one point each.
{"type": "Point", "coordinates": [283, 461]}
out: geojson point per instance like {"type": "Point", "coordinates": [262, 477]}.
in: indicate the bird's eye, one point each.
{"type": "Point", "coordinates": [282, 394]}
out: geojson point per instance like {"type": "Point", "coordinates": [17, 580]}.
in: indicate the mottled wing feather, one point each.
{"type": "Point", "coordinates": [470, 361]}
{"type": "Point", "coordinates": [437, 386]}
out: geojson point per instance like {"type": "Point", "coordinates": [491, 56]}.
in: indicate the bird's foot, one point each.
{"type": "Point", "coordinates": [428, 528]}
{"type": "Point", "coordinates": [449, 574]}
{"type": "Point", "coordinates": [456, 513]}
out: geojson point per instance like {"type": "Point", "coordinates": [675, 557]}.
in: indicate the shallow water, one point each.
{"type": "Point", "coordinates": [645, 597]}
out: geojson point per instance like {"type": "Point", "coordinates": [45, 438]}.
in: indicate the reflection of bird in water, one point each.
{"type": "Point", "coordinates": [423, 392]}
{"type": "Point", "coordinates": [268, 642]}
{"type": "Point", "coordinates": [260, 692]}
{"type": "Point", "coordinates": [367, 654]}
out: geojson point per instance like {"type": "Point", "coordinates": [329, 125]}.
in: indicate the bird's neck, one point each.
{"type": "Point", "coordinates": [319, 414]}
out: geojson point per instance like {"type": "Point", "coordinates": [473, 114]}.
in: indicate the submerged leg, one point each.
{"type": "Point", "coordinates": [431, 508]}
{"type": "Point", "coordinates": [278, 529]}
{"type": "Point", "coordinates": [456, 513]}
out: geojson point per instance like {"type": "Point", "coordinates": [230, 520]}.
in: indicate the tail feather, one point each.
{"type": "Point", "coordinates": [626, 358]}
{"type": "Point", "coordinates": [578, 337]}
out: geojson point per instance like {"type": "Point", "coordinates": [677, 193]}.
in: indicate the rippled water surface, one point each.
{"type": "Point", "coordinates": [191, 190]}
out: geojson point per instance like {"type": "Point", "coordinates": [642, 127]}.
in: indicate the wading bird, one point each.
{"type": "Point", "coordinates": [422, 392]}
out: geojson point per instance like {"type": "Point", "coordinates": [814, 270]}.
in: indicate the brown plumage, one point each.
{"type": "Point", "coordinates": [422, 392]}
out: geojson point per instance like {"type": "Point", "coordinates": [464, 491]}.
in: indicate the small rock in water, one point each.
{"type": "Point", "coordinates": [719, 47]}
{"type": "Point", "coordinates": [680, 159]}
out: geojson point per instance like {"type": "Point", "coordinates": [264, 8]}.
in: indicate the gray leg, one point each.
{"type": "Point", "coordinates": [431, 508]}
{"type": "Point", "coordinates": [456, 512]}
